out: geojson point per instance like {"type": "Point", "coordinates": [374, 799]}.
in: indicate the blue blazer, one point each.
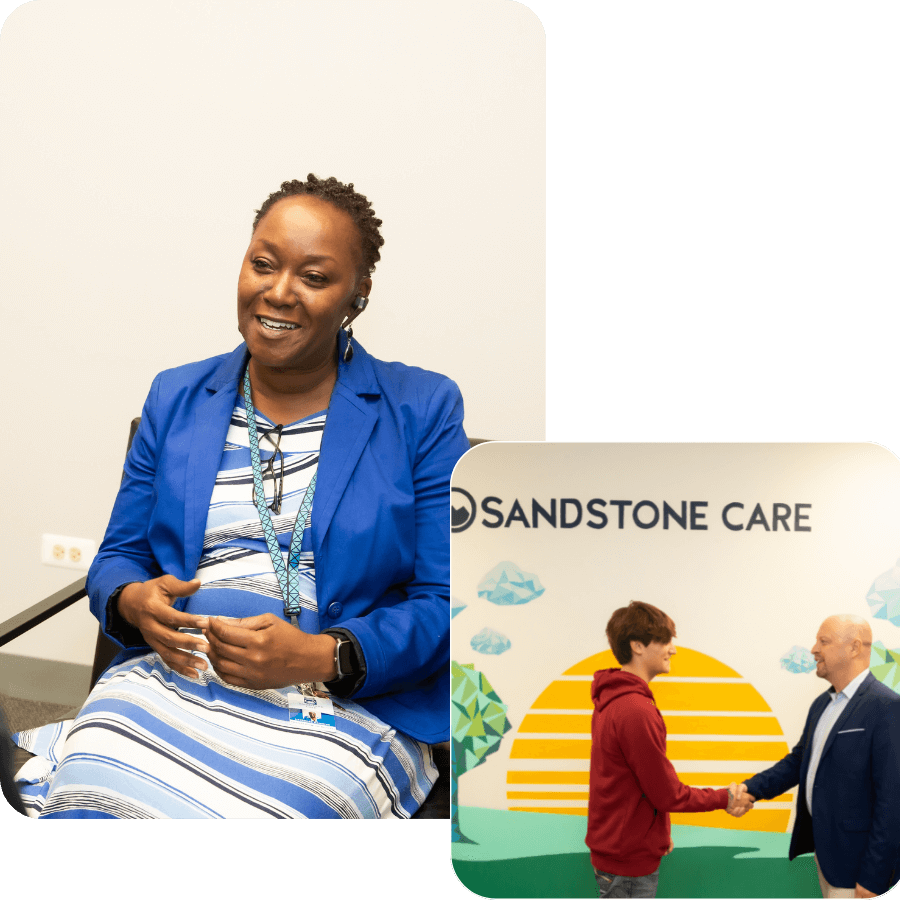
{"type": "Point", "coordinates": [855, 826]}
{"type": "Point", "coordinates": [380, 526]}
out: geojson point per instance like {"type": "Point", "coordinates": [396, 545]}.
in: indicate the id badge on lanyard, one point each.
{"type": "Point", "coordinates": [314, 709]}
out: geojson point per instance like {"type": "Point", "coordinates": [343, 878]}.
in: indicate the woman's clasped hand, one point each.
{"type": "Point", "coordinates": [258, 652]}
{"type": "Point", "coordinates": [264, 651]}
{"type": "Point", "coordinates": [148, 606]}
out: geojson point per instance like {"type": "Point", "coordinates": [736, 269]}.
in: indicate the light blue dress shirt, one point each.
{"type": "Point", "coordinates": [826, 722]}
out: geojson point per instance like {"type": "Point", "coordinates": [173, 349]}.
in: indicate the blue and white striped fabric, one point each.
{"type": "Point", "coordinates": [34, 778]}
{"type": "Point", "coordinates": [235, 570]}
{"type": "Point", "coordinates": [150, 743]}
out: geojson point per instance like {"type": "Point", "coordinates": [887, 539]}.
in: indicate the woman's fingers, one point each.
{"type": "Point", "coordinates": [177, 588]}
{"type": "Point", "coordinates": [148, 606]}
{"type": "Point", "coordinates": [185, 663]}
{"type": "Point", "coordinates": [174, 647]}
{"type": "Point", "coordinates": [177, 658]}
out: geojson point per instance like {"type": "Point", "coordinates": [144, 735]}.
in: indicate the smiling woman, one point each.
{"type": "Point", "coordinates": [276, 567]}
{"type": "Point", "coordinates": [303, 278]}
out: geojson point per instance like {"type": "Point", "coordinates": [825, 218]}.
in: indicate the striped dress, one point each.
{"type": "Point", "coordinates": [150, 743]}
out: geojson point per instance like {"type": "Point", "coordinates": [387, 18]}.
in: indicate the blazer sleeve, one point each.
{"type": "Point", "coordinates": [784, 774]}
{"type": "Point", "coordinates": [409, 642]}
{"type": "Point", "coordinates": [125, 554]}
{"type": "Point", "coordinates": [883, 848]}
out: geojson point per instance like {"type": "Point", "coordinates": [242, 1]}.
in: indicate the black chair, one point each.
{"type": "Point", "coordinates": [437, 806]}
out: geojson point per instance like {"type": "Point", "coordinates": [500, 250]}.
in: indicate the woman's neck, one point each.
{"type": "Point", "coordinates": [286, 395]}
{"type": "Point", "coordinates": [280, 385]}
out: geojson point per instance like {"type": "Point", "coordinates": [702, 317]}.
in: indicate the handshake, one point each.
{"type": "Point", "coordinates": [739, 801]}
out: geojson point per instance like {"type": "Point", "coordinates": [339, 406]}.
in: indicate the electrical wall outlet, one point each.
{"type": "Point", "coordinates": [68, 552]}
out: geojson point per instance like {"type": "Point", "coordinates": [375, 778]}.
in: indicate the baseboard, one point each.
{"type": "Point", "coordinates": [45, 680]}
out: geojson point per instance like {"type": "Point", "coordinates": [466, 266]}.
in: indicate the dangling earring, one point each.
{"type": "Point", "coordinates": [360, 304]}
{"type": "Point", "coordinates": [348, 350]}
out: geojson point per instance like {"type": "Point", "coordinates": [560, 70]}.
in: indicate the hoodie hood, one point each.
{"type": "Point", "coordinates": [611, 684]}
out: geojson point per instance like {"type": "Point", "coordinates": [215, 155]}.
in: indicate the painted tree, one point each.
{"type": "Point", "coordinates": [885, 665]}
{"type": "Point", "coordinates": [478, 722]}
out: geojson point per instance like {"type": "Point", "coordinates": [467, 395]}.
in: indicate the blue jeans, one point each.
{"type": "Point", "coordinates": [610, 885]}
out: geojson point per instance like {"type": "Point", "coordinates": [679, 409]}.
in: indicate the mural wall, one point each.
{"type": "Point", "coordinates": [747, 547]}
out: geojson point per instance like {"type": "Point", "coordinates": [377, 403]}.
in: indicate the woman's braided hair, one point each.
{"type": "Point", "coordinates": [343, 197]}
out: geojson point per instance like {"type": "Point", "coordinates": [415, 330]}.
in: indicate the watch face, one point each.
{"type": "Point", "coordinates": [345, 657]}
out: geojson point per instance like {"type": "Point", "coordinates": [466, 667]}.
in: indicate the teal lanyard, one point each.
{"type": "Point", "coordinates": [288, 580]}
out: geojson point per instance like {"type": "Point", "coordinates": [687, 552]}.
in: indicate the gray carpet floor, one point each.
{"type": "Point", "coordinates": [21, 714]}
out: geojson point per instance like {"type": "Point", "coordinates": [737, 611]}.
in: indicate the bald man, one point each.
{"type": "Point", "coordinates": [847, 765]}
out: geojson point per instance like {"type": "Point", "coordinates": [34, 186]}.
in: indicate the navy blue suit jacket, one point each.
{"type": "Point", "coordinates": [855, 825]}
{"type": "Point", "coordinates": [380, 525]}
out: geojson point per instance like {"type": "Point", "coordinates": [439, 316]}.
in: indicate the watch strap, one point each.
{"type": "Point", "coordinates": [348, 683]}
{"type": "Point", "coordinates": [120, 630]}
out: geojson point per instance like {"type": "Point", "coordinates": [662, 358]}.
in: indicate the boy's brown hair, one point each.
{"type": "Point", "coordinates": [637, 622]}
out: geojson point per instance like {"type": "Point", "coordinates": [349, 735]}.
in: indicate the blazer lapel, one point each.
{"type": "Point", "coordinates": [209, 429]}
{"type": "Point", "coordinates": [823, 700]}
{"type": "Point", "coordinates": [348, 427]}
{"type": "Point", "coordinates": [848, 711]}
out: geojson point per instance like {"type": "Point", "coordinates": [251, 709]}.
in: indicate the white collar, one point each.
{"type": "Point", "coordinates": [853, 686]}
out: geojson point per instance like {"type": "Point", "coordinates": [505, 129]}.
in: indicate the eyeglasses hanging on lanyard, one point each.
{"type": "Point", "coordinates": [276, 459]}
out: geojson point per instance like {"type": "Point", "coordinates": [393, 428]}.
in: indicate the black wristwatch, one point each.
{"type": "Point", "coordinates": [345, 658]}
{"type": "Point", "coordinates": [349, 664]}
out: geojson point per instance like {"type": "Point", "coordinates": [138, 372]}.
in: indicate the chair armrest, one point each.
{"type": "Point", "coordinates": [41, 611]}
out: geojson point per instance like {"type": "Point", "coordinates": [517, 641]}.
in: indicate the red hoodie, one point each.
{"type": "Point", "coordinates": [633, 785]}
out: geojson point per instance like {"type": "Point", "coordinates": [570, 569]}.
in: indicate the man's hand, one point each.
{"type": "Point", "coordinates": [745, 794]}
{"type": "Point", "coordinates": [739, 801]}
{"type": "Point", "coordinates": [266, 652]}
{"type": "Point", "coordinates": [863, 892]}
{"type": "Point", "coordinates": [671, 848]}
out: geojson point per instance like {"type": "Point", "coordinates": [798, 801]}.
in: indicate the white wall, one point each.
{"type": "Point", "coordinates": [138, 140]}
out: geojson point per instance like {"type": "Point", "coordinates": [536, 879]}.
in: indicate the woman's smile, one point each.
{"type": "Point", "coordinates": [276, 325]}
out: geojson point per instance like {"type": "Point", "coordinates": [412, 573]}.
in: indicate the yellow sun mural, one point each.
{"type": "Point", "coordinates": [720, 730]}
